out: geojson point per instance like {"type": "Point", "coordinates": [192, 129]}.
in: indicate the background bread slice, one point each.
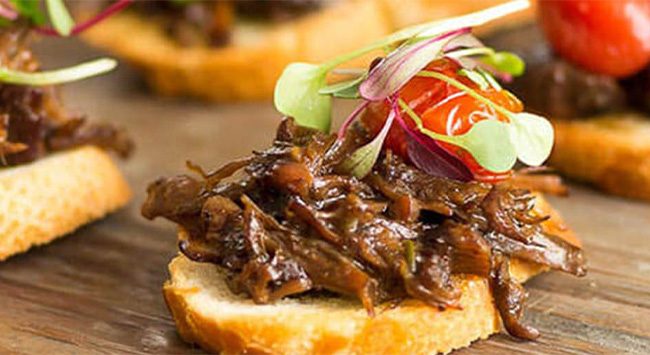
{"type": "Point", "coordinates": [55, 195]}
{"type": "Point", "coordinates": [249, 68]}
{"type": "Point", "coordinates": [208, 314]}
{"type": "Point", "coordinates": [611, 152]}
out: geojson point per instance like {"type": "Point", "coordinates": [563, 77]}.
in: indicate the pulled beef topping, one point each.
{"type": "Point", "coordinates": [556, 88]}
{"type": "Point", "coordinates": [210, 23]}
{"type": "Point", "coordinates": [292, 223]}
{"type": "Point", "coordinates": [638, 89]}
{"type": "Point", "coordinates": [32, 119]}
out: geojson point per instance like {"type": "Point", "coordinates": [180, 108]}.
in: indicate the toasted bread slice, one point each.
{"type": "Point", "coordinates": [55, 195]}
{"type": "Point", "coordinates": [248, 68]}
{"type": "Point", "coordinates": [610, 152]}
{"type": "Point", "coordinates": [208, 314]}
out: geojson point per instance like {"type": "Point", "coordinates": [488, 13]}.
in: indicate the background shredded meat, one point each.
{"type": "Point", "coordinates": [293, 223]}
{"type": "Point", "coordinates": [559, 89]}
{"type": "Point", "coordinates": [32, 119]}
{"type": "Point", "coordinates": [210, 23]}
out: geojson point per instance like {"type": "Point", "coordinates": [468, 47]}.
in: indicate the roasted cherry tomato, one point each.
{"type": "Point", "coordinates": [610, 37]}
{"type": "Point", "coordinates": [443, 109]}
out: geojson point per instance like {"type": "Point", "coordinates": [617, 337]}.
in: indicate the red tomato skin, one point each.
{"type": "Point", "coordinates": [610, 37]}
{"type": "Point", "coordinates": [443, 109]}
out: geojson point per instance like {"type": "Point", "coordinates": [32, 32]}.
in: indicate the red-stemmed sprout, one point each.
{"type": "Point", "coordinates": [77, 29]}
{"type": "Point", "coordinates": [302, 92]}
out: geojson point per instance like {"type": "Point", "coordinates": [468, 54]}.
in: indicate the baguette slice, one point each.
{"type": "Point", "coordinates": [208, 314]}
{"type": "Point", "coordinates": [55, 195]}
{"type": "Point", "coordinates": [248, 68]}
{"type": "Point", "coordinates": [610, 152]}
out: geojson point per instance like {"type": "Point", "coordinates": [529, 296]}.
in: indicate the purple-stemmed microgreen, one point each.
{"type": "Point", "coordinates": [112, 9]}
{"type": "Point", "coordinates": [348, 121]}
{"type": "Point", "coordinates": [301, 92]}
{"type": "Point", "coordinates": [297, 92]}
{"type": "Point", "coordinates": [394, 71]}
{"type": "Point", "coordinates": [428, 155]}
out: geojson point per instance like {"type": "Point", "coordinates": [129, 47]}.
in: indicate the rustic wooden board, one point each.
{"type": "Point", "coordinates": [98, 290]}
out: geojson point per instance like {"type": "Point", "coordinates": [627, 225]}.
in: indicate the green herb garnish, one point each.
{"type": "Point", "coordinates": [60, 76]}
{"type": "Point", "coordinates": [297, 91]}
{"type": "Point", "coordinates": [60, 17]}
{"type": "Point", "coordinates": [530, 135]}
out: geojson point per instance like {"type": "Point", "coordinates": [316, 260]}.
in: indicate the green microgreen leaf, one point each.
{"type": "Point", "coordinates": [297, 95]}
{"type": "Point", "coordinates": [399, 67]}
{"type": "Point", "coordinates": [31, 10]}
{"type": "Point", "coordinates": [345, 90]}
{"type": "Point", "coordinates": [533, 137]}
{"type": "Point", "coordinates": [360, 163]}
{"type": "Point", "coordinates": [77, 72]}
{"type": "Point", "coordinates": [60, 17]}
{"type": "Point", "coordinates": [505, 62]}
{"type": "Point", "coordinates": [488, 141]}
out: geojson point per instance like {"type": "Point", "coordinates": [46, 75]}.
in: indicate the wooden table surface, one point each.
{"type": "Point", "coordinates": [99, 289]}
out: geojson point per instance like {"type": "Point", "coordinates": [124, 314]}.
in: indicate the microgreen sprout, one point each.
{"type": "Point", "coordinates": [299, 97]}
{"type": "Point", "coordinates": [531, 135]}
{"type": "Point", "coordinates": [60, 76]}
{"type": "Point", "coordinates": [63, 25]}
{"type": "Point", "coordinates": [302, 93]}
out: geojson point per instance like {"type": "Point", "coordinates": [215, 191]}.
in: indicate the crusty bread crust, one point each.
{"type": "Point", "coordinates": [55, 195]}
{"type": "Point", "coordinates": [248, 69]}
{"type": "Point", "coordinates": [610, 152]}
{"type": "Point", "coordinates": [208, 314]}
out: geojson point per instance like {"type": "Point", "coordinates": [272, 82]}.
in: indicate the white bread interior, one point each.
{"type": "Point", "coordinates": [55, 195]}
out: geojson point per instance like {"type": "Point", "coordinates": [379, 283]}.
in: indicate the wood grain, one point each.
{"type": "Point", "coordinates": [98, 290]}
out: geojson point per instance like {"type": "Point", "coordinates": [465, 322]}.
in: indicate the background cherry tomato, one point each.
{"type": "Point", "coordinates": [444, 109]}
{"type": "Point", "coordinates": [610, 37]}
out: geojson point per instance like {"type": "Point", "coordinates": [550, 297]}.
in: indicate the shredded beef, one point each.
{"type": "Point", "coordinates": [32, 119]}
{"type": "Point", "coordinates": [292, 223]}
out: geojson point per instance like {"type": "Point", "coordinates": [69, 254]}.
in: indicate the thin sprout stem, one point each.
{"type": "Point", "coordinates": [477, 18]}
{"type": "Point", "coordinates": [418, 122]}
{"type": "Point", "coordinates": [466, 89]}
{"type": "Point", "coordinates": [109, 11]}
